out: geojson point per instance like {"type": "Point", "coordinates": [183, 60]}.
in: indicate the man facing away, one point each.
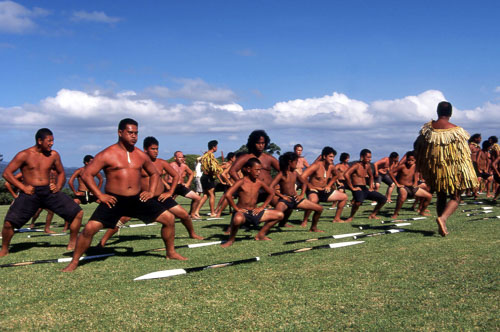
{"type": "Point", "coordinates": [122, 163]}
{"type": "Point", "coordinates": [444, 160]}
{"type": "Point", "coordinates": [36, 190]}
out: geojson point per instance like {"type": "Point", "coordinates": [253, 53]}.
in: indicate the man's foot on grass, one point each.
{"type": "Point", "coordinates": [373, 216]}
{"type": "Point", "coordinates": [71, 267]}
{"type": "Point", "coordinates": [443, 231]}
{"type": "Point", "coordinates": [304, 223]}
{"type": "Point", "coordinates": [315, 230]}
{"type": "Point", "coordinates": [196, 236]}
{"type": "Point", "coordinates": [227, 244]}
{"type": "Point", "coordinates": [286, 225]}
{"type": "Point", "coordinates": [394, 216]}
{"type": "Point", "coordinates": [262, 238]}
{"type": "Point", "coordinates": [424, 214]}
{"type": "Point", "coordinates": [48, 231]}
{"type": "Point", "coordinates": [176, 256]}
{"type": "Point", "coordinates": [4, 253]}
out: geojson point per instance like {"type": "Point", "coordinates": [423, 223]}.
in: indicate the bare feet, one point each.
{"type": "Point", "coordinates": [394, 216]}
{"type": "Point", "coordinates": [338, 220]}
{"type": "Point", "coordinates": [71, 267]}
{"type": "Point", "coordinates": [349, 219]}
{"type": "Point", "coordinates": [373, 216]}
{"type": "Point", "coordinates": [48, 231]}
{"type": "Point", "coordinates": [262, 238]}
{"type": "Point", "coordinates": [443, 231]}
{"type": "Point", "coordinates": [304, 224]}
{"type": "Point", "coordinates": [286, 225]}
{"type": "Point", "coordinates": [71, 246]}
{"type": "Point", "coordinates": [315, 230]}
{"type": "Point", "coordinates": [175, 255]}
{"type": "Point", "coordinates": [227, 244]}
{"type": "Point", "coordinates": [4, 253]}
{"type": "Point", "coordinates": [196, 236]}
{"type": "Point", "coordinates": [425, 214]}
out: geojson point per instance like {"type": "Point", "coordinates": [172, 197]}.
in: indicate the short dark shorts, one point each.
{"type": "Point", "coordinates": [476, 168]}
{"type": "Point", "coordinates": [342, 185]}
{"type": "Point", "coordinates": [322, 194]}
{"type": "Point", "coordinates": [496, 177]}
{"type": "Point", "coordinates": [130, 206]}
{"type": "Point", "coordinates": [484, 175]}
{"type": "Point", "coordinates": [251, 219]}
{"type": "Point", "coordinates": [385, 178]}
{"type": "Point", "coordinates": [207, 182]}
{"type": "Point", "coordinates": [86, 198]}
{"type": "Point", "coordinates": [410, 191]}
{"type": "Point", "coordinates": [25, 206]}
{"type": "Point", "coordinates": [168, 203]}
{"type": "Point", "coordinates": [181, 190]}
{"type": "Point", "coordinates": [364, 193]}
{"type": "Point", "coordinates": [292, 204]}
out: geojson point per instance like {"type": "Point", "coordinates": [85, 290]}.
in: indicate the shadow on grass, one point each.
{"type": "Point", "coordinates": [368, 226]}
{"type": "Point", "coordinates": [28, 245]}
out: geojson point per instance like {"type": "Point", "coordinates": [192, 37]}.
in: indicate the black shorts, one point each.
{"type": "Point", "coordinates": [168, 203]}
{"type": "Point", "coordinates": [292, 204]}
{"type": "Point", "coordinates": [342, 185]}
{"type": "Point", "coordinates": [250, 218]}
{"type": "Point", "coordinates": [411, 191]}
{"type": "Point", "coordinates": [86, 198]}
{"type": "Point", "coordinates": [496, 177]}
{"type": "Point", "coordinates": [322, 194]}
{"type": "Point", "coordinates": [25, 206]}
{"type": "Point", "coordinates": [207, 182]}
{"type": "Point", "coordinates": [385, 178]}
{"type": "Point", "coordinates": [484, 175]}
{"type": "Point", "coordinates": [360, 195]}
{"type": "Point", "coordinates": [181, 190]}
{"type": "Point", "coordinates": [130, 206]}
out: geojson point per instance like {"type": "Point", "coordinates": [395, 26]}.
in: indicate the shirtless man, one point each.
{"type": "Point", "coordinates": [257, 143]}
{"type": "Point", "coordinates": [289, 200]}
{"type": "Point", "coordinates": [405, 178]}
{"type": "Point", "coordinates": [84, 196]}
{"type": "Point", "coordinates": [37, 191]}
{"type": "Point", "coordinates": [122, 163]}
{"type": "Point", "coordinates": [496, 175]}
{"type": "Point", "coordinates": [183, 187]}
{"type": "Point", "coordinates": [302, 162]}
{"type": "Point", "coordinates": [321, 176]}
{"type": "Point", "coordinates": [227, 182]}
{"type": "Point", "coordinates": [246, 210]}
{"type": "Point", "coordinates": [151, 148]}
{"type": "Point", "coordinates": [355, 178]}
{"type": "Point", "coordinates": [382, 168]}
{"type": "Point", "coordinates": [483, 163]}
{"type": "Point", "coordinates": [341, 168]}
{"type": "Point", "coordinates": [50, 215]}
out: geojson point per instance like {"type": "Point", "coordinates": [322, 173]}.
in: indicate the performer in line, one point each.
{"type": "Point", "coordinates": [444, 160]}
{"type": "Point", "coordinates": [36, 189]}
{"type": "Point", "coordinates": [122, 163]}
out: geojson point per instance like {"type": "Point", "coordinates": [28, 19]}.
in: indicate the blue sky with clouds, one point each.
{"type": "Point", "coordinates": [350, 74]}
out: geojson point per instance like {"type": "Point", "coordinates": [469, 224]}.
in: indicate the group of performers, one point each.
{"type": "Point", "coordinates": [141, 185]}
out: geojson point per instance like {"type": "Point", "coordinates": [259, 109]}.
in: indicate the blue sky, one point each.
{"type": "Point", "coordinates": [349, 74]}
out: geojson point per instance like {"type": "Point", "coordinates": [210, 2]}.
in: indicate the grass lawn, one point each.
{"type": "Point", "coordinates": [414, 280]}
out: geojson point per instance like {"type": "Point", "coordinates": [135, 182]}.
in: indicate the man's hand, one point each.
{"type": "Point", "coordinates": [145, 196]}
{"type": "Point", "coordinates": [28, 189]}
{"type": "Point", "coordinates": [162, 197]}
{"type": "Point", "coordinates": [258, 210]}
{"type": "Point", "coordinates": [109, 200]}
{"type": "Point", "coordinates": [53, 187]}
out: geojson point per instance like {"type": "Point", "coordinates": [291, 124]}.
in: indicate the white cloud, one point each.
{"type": "Point", "coordinates": [497, 89]}
{"type": "Point", "coordinates": [194, 89]}
{"type": "Point", "coordinates": [94, 16]}
{"type": "Point", "coordinates": [15, 18]}
{"type": "Point", "coordinates": [336, 120]}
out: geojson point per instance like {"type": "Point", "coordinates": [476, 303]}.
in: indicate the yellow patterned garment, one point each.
{"type": "Point", "coordinates": [210, 165]}
{"type": "Point", "coordinates": [443, 159]}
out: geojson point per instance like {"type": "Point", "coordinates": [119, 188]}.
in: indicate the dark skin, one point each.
{"type": "Point", "coordinates": [267, 162]}
{"type": "Point", "coordinates": [495, 165]}
{"type": "Point", "coordinates": [406, 175]}
{"type": "Point", "coordinates": [183, 170]}
{"type": "Point", "coordinates": [356, 176]}
{"type": "Point", "coordinates": [178, 211]}
{"type": "Point", "coordinates": [286, 183]}
{"type": "Point", "coordinates": [82, 188]}
{"type": "Point", "coordinates": [248, 188]}
{"type": "Point", "coordinates": [35, 164]}
{"type": "Point", "coordinates": [321, 176]}
{"type": "Point", "coordinates": [383, 166]}
{"type": "Point", "coordinates": [122, 163]}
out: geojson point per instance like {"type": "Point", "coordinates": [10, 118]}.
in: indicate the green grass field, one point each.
{"type": "Point", "coordinates": [413, 280]}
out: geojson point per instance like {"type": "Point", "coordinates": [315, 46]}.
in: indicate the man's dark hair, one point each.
{"type": "Point", "coordinates": [175, 153]}
{"type": "Point", "coordinates": [493, 139]}
{"type": "Point", "coordinates": [285, 159]}
{"type": "Point", "coordinates": [87, 158]}
{"type": "Point", "coordinates": [327, 150]}
{"type": "Point", "coordinates": [127, 121]}
{"type": "Point", "coordinates": [394, 155]}
{"type": "Point", "coordinates": [344, 156]}
{"type": "Point", "coordinates": [230, 155]}
{"type": "Point", "coordinates": [297, 146]}
{"type": "Point", "coordinates": [474, 137]}
{"type": "Point", "coordinates": [486, 145]}
{"type": "Point", "coordinates": [444, 109]}
{"type": "Point", "coordinates": [42, 133]}
{"type": "Point", "coordinates": [148, 141]}
{"type": "Point", "coordinates": [249, 164]}
{"type": "Point", "coordinates": [410, 154]}
{"type": "Point", "coordinates": [254, 137]}
{"type": "Point", "coordinates": [212, 144]}
{"type": "Point", "coordinates": [364, 152]}
{"type": "Point", "coordinates": [239, 154]}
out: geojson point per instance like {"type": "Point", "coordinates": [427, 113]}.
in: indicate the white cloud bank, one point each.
{"type": "Point", "coordinates": [94, 16]}
{"type": "Point", "coordinates": [337, 120]}
{"type": "Point", "coordinates": [15, 18]}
